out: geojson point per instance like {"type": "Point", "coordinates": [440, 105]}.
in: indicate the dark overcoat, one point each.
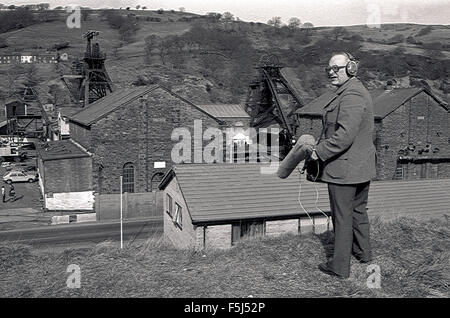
{"type": "Point", "coordinates": [346, 146]}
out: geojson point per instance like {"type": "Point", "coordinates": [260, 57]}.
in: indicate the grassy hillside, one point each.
{"type": "Point", "coordinates": [413, 258]}
{"type": "Point", "coordinates": [215, 73]}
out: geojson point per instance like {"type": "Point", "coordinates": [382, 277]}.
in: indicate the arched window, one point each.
{"type": "Point", "coordinates": [128, 177]}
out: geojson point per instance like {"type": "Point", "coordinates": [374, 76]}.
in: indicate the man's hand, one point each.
{"type": "Point", "coordinates": [311, 153]}
{"type": "Point", "coordinates": [314, 155]}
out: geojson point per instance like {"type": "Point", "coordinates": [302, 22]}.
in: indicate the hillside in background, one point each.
{"type": "Point", "coordinates": [212, 58]}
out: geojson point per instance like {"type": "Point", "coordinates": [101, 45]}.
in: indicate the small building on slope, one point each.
{"type": "Point", "coordinates": [217, 205]}
{"type": "Point", "coordinates": [65, 175]}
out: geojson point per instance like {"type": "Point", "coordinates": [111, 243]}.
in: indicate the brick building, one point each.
{"type": "Point", "coordinates": [129, 133]}
{"type": "Point", "coordinates": [238, 123]}
{"type": "Point", "coordinates": [412, 132]}
{"type": "Point", "coordinates": [65, 175]}
{"type": "Point", "coordinates": [216, 205]}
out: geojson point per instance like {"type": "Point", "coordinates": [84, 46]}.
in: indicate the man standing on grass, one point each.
{"type": "Point", "coordinates": [347, 155]}
{"type": "Point", "coordinates": [3, 193]}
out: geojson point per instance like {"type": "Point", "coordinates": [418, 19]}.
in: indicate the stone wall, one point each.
{"type": "Point", "coordinates": [187, 235]}
{"type": "Point", "coordinates": [141, 134]}
{"type": "Point", "coordinates": [67, 175]}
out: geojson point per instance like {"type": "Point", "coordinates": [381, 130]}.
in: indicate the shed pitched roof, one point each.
{"type": "Point", "coordinates": [384, 101]}
{"type": "Point", "coordinates": [227, 192]}
{"type": "Point", "coordinates": [105, 105]}
{"type": "Point", "coordinates": [225, 110]}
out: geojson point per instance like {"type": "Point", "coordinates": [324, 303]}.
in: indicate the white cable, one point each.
{"type": "Point", "coordinates": [299, 192]}
{"type": "Point", "coordinates": [317, 196]}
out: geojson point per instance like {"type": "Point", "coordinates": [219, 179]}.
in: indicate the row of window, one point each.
{"type": "Point", "coordinates": [177, 217]}
{"type": "Point", "coordinates": [28, 61]}
{"type": "Point", "coordinates": [405, 171]}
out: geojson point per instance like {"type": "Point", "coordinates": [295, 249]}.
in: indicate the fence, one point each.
{"type": "Point", "coordinates": [135, 206]}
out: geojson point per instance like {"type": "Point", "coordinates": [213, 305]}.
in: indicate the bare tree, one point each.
{"type": "Point", "coordinates": [308, 26]}
{"type": "Point", "coordinates": [85, 13]}
{"type": "Point", "coordinates": [227, 18]}
{"type": "Point", "coordinates": [338, 32]}
{"type": "Point", "coordinates": [275, 22]}
{"type": "Point", "coordinates": [294, 23]}
{"type": "Point", "coordinates": [182, 9]}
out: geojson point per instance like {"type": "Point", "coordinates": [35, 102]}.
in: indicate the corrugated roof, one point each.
{"type": "Point", "coordinates": [109, 103]}
{"type": "Point", "coordinates": [384, 101]}
{"type": "Point", "coordinates": [226, 192]}
{"type": "Point", "coordinates": [225, 110]}
{"type": "Point", "coordinates": [60, 149]}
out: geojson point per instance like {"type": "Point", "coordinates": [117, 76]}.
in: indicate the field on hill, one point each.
{"type": "Point", "coordinates": [209, 60]}
{"type": "Point", "coordinates": [412, 255]}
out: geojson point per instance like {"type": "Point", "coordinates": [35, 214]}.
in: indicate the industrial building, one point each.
{"type": "Point", "coordinates": [412, 132]}
{"type": "Point", "coordinates": [129, 133]}
{"type": "Point", "coordinates": [65, 175]}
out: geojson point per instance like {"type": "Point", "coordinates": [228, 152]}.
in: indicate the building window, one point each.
{"type": "Point", "coordinates": [401, 172]}
{"type": "Point", "coordinates": [169, 205]}
{"type": "Point", "coordinates": [178, 217]}
{"type": "Point", "coordinates": [434, 171]}
{"type": "Point", "coordinates": [128, 177]}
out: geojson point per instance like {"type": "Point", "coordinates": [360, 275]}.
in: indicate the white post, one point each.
{"type": "Point", "coordinates": [121, 215]}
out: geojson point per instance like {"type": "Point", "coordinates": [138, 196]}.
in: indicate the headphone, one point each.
{"type": "Point", "coordinates": [352, 66]}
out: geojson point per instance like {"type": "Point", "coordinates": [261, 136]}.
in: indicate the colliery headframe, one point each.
{"type": "Point", "coordinates": [89, 80]}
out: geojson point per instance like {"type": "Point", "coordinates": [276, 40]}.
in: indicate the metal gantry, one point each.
{"type": "Point", "coordinates": [89, 80]}
{"type": "Point", "coordinates": [272, 100]}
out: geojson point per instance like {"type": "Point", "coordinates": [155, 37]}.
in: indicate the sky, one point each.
{"type": "Point", "coordinates": [318, 12]}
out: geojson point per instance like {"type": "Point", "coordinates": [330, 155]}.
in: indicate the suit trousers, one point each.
{"type": "Point", "coordinates": [350, 224]}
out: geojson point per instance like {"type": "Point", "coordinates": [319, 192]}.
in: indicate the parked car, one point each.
{"type": "Point", "coordinates": [20, 176]}
{"type": "Point", "coordinates": [6, 164]}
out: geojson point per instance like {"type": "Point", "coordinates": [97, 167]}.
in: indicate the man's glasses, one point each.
{"type": "Point", "coordinates": [335, 68]}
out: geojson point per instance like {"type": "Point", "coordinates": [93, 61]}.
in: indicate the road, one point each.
{"type": "Point", "coordinates": [85, 232]}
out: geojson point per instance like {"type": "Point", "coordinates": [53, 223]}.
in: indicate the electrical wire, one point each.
{"type": "Point", "coordinates": [317, 194]}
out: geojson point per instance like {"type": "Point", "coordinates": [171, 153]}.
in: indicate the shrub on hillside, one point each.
{"type": "Point", "coordinates": [411, 40]}
{"type": "Point", "coordinates": [398, 38]}
{"type": "Point", "coordinates": [3, 43]}
{"type": "Point", "coordinates": [426, 30]}
{"type": "Point", "coordinates": [433, 46]}
{"type": "Point", "coordinates": [15, 19]}
{"type": "Point", "coordinates": [357, 37]}
{"type": "Point", "coordinates": [125, 24]}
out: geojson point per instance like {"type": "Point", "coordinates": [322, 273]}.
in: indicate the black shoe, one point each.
{"type": "Point", "coordinates": [323, 267]}
{"type": "Point", "coordinates": [361, 259]}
